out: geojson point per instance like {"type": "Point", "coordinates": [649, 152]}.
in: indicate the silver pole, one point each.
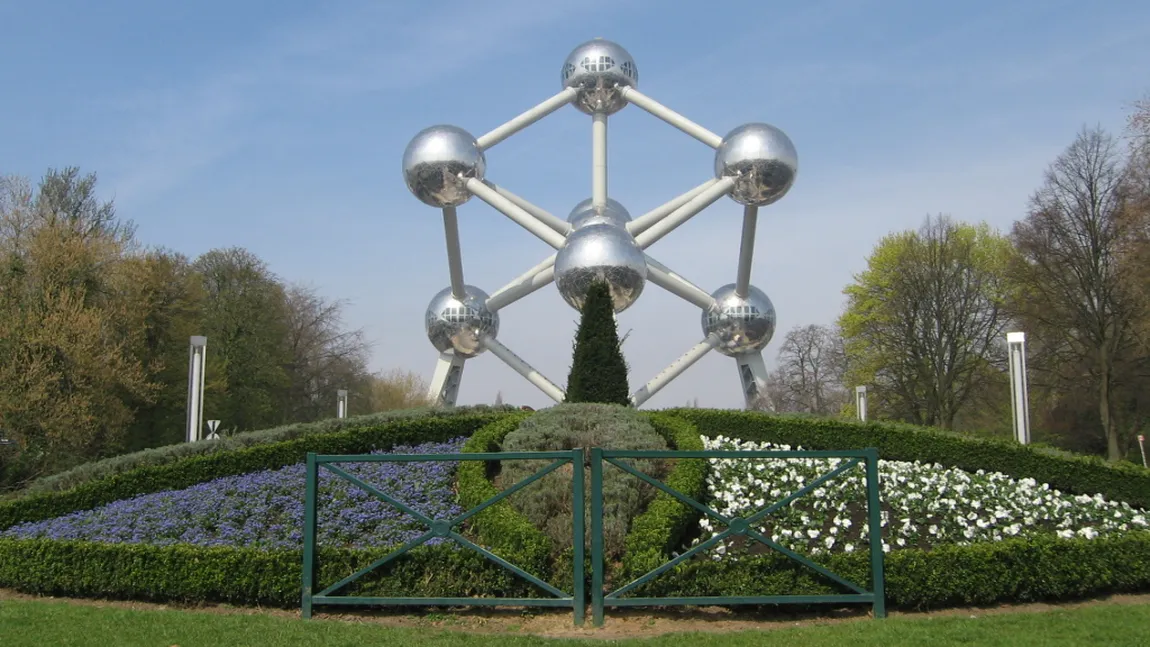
{"type": "Point", "coordinates": [1019, 398]}
{"type": "Point", "coordinates": [671, 117]}
{"type": "Point", "coordinates": [197, 354]}
{"type": "Point", "coordinates": [706, 198]}
{"type": "Point", "coordinates": [746, 251]}
{"type": "Point", "coordinates": [860, 402]}
{"type": "Point", "coordinates": [341, 403]}
{"type": "Point", "coordinates": [675, 369]}
{"type": "Point", "coordinates": [515, 213]}
{"type": "Point", "coordinates": [525, 119]}
{"type": "Point", "coordinates": [644, 222]}
{"type": "Point", "coordinates": [599, 159]}
{"type": "Point", "coordinates": [454, 255]}
{"type": "Point", "coordinates": [523, 368]}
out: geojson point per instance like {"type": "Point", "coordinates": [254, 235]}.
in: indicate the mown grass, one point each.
{"type": "Point", "coordinates": [39, 622]}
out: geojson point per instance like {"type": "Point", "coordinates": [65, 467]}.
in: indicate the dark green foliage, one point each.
{"type": "Point", "coordinates": [1042, 569]}
{"type": "Point", "coordinates": [171, 453]}
{"type": "Point", "coordinates": [598, 370]}
{"type": "Point", "coordinates": [185, 472]}
{"type": "Point", "coordinates": [1062, 470]}
{"type": "Point", "coordinates": [547, 503]}
{"type": "Point", "coordinates": [657, 533]}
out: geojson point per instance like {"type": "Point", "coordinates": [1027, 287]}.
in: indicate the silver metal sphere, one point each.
{"type": "Point", "coordinates": [584, 214]}
{"type": "Point", "coordinates": [743, 324]}
{"type": "Point", "coordinates": [458, 325]}
{"type": "Point", "coordinates": [599, 69]}
{"type": "Point", "coordinates": [763, 160]}
{"type": "Point", "coordinates": [438, 162]}
{"type": "Point", "coordinates": [600, 252]}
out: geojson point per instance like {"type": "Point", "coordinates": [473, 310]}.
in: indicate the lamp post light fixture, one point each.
{"type": "Point", "coordinates": [1019, 398]}
{"type": "Point", "coordinates": [197, 356]}
{"type": "Point", "coordinates": [860, 403]}
{"type": "Point", "coordinates": [341, 403]}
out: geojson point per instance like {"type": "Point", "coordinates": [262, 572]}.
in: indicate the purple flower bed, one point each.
{"type": "Point", "coordinates": [265, 509]}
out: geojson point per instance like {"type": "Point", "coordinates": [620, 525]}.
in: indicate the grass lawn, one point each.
{"type": "Point", "coordinates": [51, 622]}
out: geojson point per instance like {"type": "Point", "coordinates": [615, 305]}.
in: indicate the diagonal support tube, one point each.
{"type": "Point", "coordinates": [599, 159]}
{"type": "Point", "coordinates": [546, 217]}
{"type": "Point", "coordinates": [665, 278]}
{"type": "Point", "coordinates": [454, 256]}
{"type": "Point", "coordinates": [515, 212]}
{"type": "Point", "coordinates": [704, 199]}
{"type": "Point", "coordinates": [523, 368]}
{"type": "Point", "coordinates": [523, 285]}
{"type": "Point", "coordinates": [746, 251]}
{"type": "Point", "coordinates": [528, 117]}
{"type": "Point", "coordinates": [644, 222]}
{"type": "Point", "coordinates": [675, 369]}
{"type": "Point", "coordinates": [670, 116]}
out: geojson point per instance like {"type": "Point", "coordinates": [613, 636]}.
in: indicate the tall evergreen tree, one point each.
{"type": "Point", "coordinates": [598, 370]}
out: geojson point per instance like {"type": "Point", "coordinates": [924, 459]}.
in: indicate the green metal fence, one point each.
{"type": "Point", "coordinates": [443, 528]}
{"type": "Point", "coordinates": [743, 526]}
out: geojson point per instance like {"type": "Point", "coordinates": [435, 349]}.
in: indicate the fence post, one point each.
{"type": "Point", "coordinates": [579, 536]}
{"type": "Point", "coordinates": [597, 536]}
{"type": "Point", "coordinates": [874, 516]}
{"type": "Point", "coordinates": [309, 528]}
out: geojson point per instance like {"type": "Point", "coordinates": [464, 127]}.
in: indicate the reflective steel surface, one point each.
{"type": "Point", "coordinates": [584, 214]}
{"type": "Point", "coordinates": [743, 325]}
{"type": "Point", "coordinates": [600, 252]}
{"type": "Point", "coordinates": [763, 159]}
{"type": "Point", "coordinates": [437, 162]}
{"type": "Point", "coordinates": [598, 69]}
{"type": "Point", "coordinates": [454, 325]}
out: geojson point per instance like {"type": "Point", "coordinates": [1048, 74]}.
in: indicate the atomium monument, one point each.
{"type": "Point", "coordinates": [444, 166]}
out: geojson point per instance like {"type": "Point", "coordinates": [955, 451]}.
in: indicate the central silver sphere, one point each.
{"type": "Point", "coordinates": [437, 163]}
{"type": "Point", "coordinates": [763, 160]}
{"type": "Point", "coordinates": [458, 325]}
{"type": "Point", "coordinates": [744, 325]}
{"type": "Point", "coordinates": [600, 252]}
{"type": "Point", "coordinates": [585, 214]}
{"type": "Point", "coordinates": [599, 69]}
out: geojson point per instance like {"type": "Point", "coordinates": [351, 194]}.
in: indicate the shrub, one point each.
{"type": "Point", "coordinates": [171, 453]}
{"type": "Point", "coordinates": [547, 503]}
{"type": "Point", "coordinates": [189, 471]}
{"type": "Point", "coordinates": [598, 370]}
{"type": "Point", "coordinates": [1062, 470]}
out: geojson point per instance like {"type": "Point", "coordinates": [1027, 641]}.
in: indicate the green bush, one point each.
{"type": "Point", "coordinates": [168, 454]}
{"type": "Point", "coordinates": [548, 502]}
{"type": "Point", "coordinates": [1062, 470]}
{"type": "Point", "coordinates": [598, 370]}
{"type": "Point", "coordinates": [189, 471]}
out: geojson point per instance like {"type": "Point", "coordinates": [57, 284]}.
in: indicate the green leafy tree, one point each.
{"type": "Point", "coordinates": [598, 370]}
{"type": "Point", "coordinates": [924, 323]}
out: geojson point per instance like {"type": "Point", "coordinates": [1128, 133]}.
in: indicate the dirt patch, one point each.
{"type": "Point", "coordinates": [620, 623]}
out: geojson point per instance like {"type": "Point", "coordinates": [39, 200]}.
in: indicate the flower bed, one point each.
{"type": "Point", "coordinates": [264, 509]}
{"type": "Point", "coordinates": [924, 505]}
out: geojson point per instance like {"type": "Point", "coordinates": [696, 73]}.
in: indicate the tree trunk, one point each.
{"type": "Point", "coordinates": [1113, 451]}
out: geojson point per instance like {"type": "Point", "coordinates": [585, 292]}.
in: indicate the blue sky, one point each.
{"type": "Point", "coordinates": [279, 127]}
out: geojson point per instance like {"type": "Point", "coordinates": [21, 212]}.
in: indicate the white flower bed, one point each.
{"type": "Point", "coordinates": [924, 504]}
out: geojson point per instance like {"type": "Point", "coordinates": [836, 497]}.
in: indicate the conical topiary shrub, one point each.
{"type": "Point", "coordinates": [598, 370]}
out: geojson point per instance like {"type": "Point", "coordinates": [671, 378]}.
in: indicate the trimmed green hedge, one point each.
{"type": "Point", "coordinates": [1064, 471]}
{"type": "Point", "coordinates": [187, 472]}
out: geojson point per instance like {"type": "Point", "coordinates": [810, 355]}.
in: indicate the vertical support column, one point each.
{"type": "Point", "coordinates": [599, 159]}
{"type": "Point", "coordinates": [309, 532]}
{"type": "Point", "coordinates": [454, 255]}
{"type": "Point", "coordinates": [579, 536]}
{"type": "Point", "coordinates": [1019, 397]}
{"type": "Point", "coordinates": [874, 518]}
{"type": "Point", "coordinates": [197, 356]}
{"type": "Point", "coordinates": [860, 403]}
{"type": "Point", "coordinates": [753, 376]}
{"type": "Point", "coordinates": [597, 536]}
{"type": "Point", "coordinates": [341, 403]}
{"type": "Point", "coordinates": [445, 381]}
{"type": "Point", "coordinates": [746, 251]}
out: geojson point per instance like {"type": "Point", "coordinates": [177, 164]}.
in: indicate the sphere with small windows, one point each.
{"type": "Point", "coordinates": [585, 213]}
{"type": "Point", "coordinates": [743, 324]}
{"type": "Point", "coordinates": [599, 69]}
{"type": "Point", "coordinates": [600, 252]}
{"type": "Point", "coordinates": [438, 162]}
{"type": "Point", "coordinates": [458, 326]}
{"type": "Point", "coordinates": [762, 160]}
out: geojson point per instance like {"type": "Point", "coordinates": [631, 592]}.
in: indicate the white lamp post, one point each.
{"type": "Point", "coordinates": [860, 402]}
{"type": "Point", "coordinates": [341, 403]}
{"type": "Point", "coordinates": [1019, 398]}
{"type": "Point", "coordinates": [197, 355]}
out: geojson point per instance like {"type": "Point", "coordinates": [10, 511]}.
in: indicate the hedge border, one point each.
{"type": "Point", "coordinates": [199, 469]}
{"type": "Point", "coordinates": [1071, 473]}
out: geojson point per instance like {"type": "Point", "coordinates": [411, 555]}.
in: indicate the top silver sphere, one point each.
{"type": "Point", "coordinates": [600, 253]}
{"type": "Point", "coordinates": [459, 325]}
{"type": "Point", "coordinates": [599, 69]}
{"type": "Point", "coordinates": [438, 162]}
{"type": "Point", "coordinates": [585, 214]}
{"type": "Point", "coordinates": [744, 325]}
{"type": "Point", "coordinates": [762, 159]}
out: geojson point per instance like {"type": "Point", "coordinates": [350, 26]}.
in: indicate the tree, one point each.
{"type": "Point", "coordinates": [1070, 290]}
{"type": "Point", "coordinates": [810, 374]}
{"type": "Point", "coordinates": [924, 323]}
{"type": "Point", "coordinates": [397, 389]}
{"type": "Point", "coordinates": [598, 370]}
